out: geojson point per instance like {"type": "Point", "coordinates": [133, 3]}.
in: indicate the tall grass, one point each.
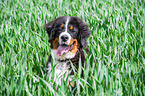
{"type": "Point", "coordinates": [115, 65]}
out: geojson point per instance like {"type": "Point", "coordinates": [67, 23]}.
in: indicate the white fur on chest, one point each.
{"type": "Point", "coordinates": [61, 69]}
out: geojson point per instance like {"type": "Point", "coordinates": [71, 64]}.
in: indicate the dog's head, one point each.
{"type": "Point", "coordinates": [67, 34]}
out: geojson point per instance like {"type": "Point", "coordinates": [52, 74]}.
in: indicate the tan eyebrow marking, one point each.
{"type": "Point", "coordinates": [62, 26]}
{"type": "Point", "coordinates": [71, 27]}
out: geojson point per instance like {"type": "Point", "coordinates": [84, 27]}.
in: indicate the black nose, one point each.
{"type": "Point", "coordinates": [64, 37]}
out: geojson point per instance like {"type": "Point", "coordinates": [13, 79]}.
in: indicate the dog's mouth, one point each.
{"type": "Point", "coordinates": [63, 49]}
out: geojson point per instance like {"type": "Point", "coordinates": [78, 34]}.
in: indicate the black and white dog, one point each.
{"type": "Point", "coordinates": [67, 38]}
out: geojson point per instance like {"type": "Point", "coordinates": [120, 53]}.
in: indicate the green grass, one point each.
{"type": "Point", "coordinates": [114, 67]}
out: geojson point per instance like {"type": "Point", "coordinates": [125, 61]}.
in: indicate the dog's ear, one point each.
{"type": "Point", "coordinates": [49, 28]}
{"type": "Point", "coordinates": [84, 33]}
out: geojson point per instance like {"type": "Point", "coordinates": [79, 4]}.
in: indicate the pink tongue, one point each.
{"type": "Point", "coordinates": [62, 49]}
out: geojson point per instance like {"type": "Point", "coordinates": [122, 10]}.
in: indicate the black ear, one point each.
{"type": "Point", "coordinates": [84, 33]}
{"type": "Point", "coordinates": [48, 27]}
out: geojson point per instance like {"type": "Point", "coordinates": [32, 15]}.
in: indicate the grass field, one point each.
{"type": "Point", "coordinates": [114, 67]}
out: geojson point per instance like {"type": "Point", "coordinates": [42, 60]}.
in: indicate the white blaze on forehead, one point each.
{"type": "Point", "coordinates": [65, 33]}
{"type": "Point", "coordinates": [66, 24]}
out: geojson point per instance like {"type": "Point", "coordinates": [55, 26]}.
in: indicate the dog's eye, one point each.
{"type": "Point", "coordinates": [71, 27]}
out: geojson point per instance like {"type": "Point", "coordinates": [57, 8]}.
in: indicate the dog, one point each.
{"type": "Point", "coordinates": [67, 38]}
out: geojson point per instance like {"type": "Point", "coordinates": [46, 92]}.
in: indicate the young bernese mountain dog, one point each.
{"type": "Point", "coordinates": [67, 38]}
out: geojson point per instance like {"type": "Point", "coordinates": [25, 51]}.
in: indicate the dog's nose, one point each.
{"type": "Point", "coordinates": [64, 38]}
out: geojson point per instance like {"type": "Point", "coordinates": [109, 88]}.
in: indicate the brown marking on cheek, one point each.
{"type": "Point", "coordinates": [55, 43]}
{"type": "Point", "coordinates": [76, 45]}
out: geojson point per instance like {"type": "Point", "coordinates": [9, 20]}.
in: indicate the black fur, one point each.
{"type": "Point", "coordinates": [81, 32]}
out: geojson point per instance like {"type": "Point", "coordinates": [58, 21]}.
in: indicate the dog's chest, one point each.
{"type": "Point", "coordinates": [59, 70]}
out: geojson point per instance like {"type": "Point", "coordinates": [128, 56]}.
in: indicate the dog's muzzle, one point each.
{"type": "Point", "coordinates": [64, 38]}
{"type": "Point", "coordinates": [65, 44]}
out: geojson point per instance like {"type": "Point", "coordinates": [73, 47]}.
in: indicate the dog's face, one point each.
{"type": "Point", "coordinates": [66, 35]}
